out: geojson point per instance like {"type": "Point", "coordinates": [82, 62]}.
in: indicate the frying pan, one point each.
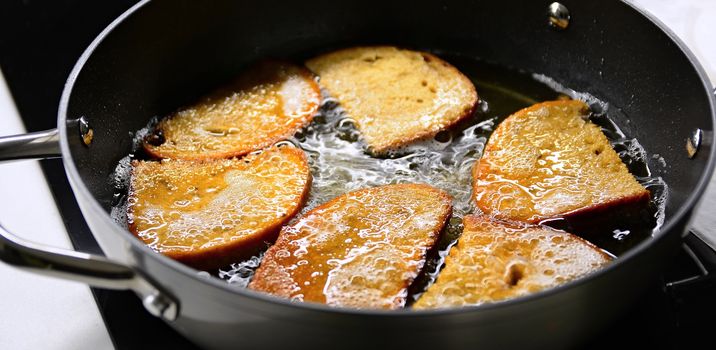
{"type": "Point", "coordinates": [162, 54]}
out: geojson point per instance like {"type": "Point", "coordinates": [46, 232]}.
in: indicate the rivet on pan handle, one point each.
{"type": "Point", "coordinates": [90, 269]}
{"type": "Point", "coordinates": [558, 16]}
{"type": "Point", "coordinates": [86, 131]}
{"type": "Point", "coordinates": [693, 142]}
{"type": "Point", "coordinates": [697, 136]}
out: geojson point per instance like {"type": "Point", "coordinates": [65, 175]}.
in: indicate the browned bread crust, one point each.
{"type": "Point", "coordinates": [396, 96]}
{"type": "Point", "coordinates": [208, 214]}
{"type": "Point", "coordinates": [548, 161]}
{"type": "Point", "coordinates": [266, 104]}
{"type": "Point", "coordinates": [362, 249]}
{"type": "Point", "coordinates": [495, 261]}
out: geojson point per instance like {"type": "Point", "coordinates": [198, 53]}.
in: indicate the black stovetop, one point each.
{"type": "Point", "coordinates": [41, 40]}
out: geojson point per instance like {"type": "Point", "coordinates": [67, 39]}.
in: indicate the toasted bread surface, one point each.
{"type": "Point", "coordinates": [549, 161]}
{"type": "Point", "coordinates": [494, 261]}
{"type": "Point", "coordinates": [362, 249]}
{"type": "Point", "coordinates": [266, 104]}
{"type": "Point", "coordinates": [396, 96]}
{"type": "Point", "coordinates": [208, 214]}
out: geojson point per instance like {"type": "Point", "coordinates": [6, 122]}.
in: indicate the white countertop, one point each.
{"type": "Point", "coordinates": [39, 312]}
{"type": "Point", "coordinates": [44, 313]}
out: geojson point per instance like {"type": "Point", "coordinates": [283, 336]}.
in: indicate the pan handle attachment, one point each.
{"type": "Point", "coordinates": [94, 270]}
{"type": "Point", "coordinates": [41, 144]}
{"type": "Point", "coordinates": [90, 269]}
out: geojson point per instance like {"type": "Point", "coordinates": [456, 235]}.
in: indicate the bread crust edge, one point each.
{"type": "Point", "coordinates": [223, 255]}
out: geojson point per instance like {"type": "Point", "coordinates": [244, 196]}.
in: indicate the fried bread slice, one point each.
{"type": "Point", "coordinates": [548, 161]}
{"type": "Point", "coordinates": [362, 249]}
{"type": "Point", "coordinates": [211, 213]}
{"type": "Point", "coordinates": [266, 104]}
{"type": "Point", "coordinates": [396, 96]}
{"type": "Point", "coordinates": [494, 261]}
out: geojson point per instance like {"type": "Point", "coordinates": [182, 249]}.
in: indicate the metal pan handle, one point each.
{"type": "Point", "coordinates": [41, 144]}
{"type": "Point", "coordinates": [90, 269]}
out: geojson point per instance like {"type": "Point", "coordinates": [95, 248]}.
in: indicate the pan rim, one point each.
{"type": "Point", "coordinates": [80, 189]}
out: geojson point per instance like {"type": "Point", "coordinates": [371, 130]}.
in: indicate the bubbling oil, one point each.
{"type": "Point", "coordinates": [340, 162]}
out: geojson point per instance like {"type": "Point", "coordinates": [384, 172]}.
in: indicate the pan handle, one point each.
{"type": "Point", "coordinates": [41, 144]}
{"type": "Point", "coordinates": [90, 269]}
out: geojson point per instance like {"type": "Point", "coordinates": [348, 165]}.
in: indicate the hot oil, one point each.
{"type": "Point", "coordinates": [340, 163]}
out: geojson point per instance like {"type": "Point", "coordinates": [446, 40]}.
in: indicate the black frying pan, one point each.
{"type": "Point", "coordinates": [162, 54]}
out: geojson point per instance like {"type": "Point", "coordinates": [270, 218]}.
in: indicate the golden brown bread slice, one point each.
{"type": "Point", "coordinates": [362, 249]}
{"type": "Point", "coordinates": [396, 96]}
{"type": "Point", "coordinates": [494, 261]}
{"type": "Point", "coordinates": [548, 161]}
{"type": "Point", "coordinates": [266, 104]}
{"type": "Point", "coordinates": [211, 213]}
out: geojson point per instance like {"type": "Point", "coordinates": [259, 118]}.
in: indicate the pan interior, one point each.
{"type": "Point", "coordinates": [340, 163]}
{"type": "Point", "coordinates": [149, 65]}
{"type": "Point", "coordinates": [172, 52]}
